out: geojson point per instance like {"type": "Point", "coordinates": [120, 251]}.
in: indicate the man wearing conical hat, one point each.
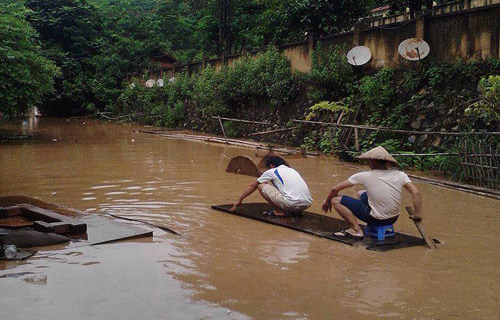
{"type": "Point", "coordinates": [379, 203]}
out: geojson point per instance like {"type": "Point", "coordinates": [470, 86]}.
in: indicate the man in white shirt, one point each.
{"type": "Point", "coordinates": [379, 204]}
{"type": "Point", "coordinates": [282, 187]}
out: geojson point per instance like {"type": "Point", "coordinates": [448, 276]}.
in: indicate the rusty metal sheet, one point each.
{"type": "Point", "coordinates": [15, 222]}
{"type": "Point", "coordinates": [243, 165]}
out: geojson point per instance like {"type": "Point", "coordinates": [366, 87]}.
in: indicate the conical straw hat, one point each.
{"type": "Point", "coordinates": [378, 153]}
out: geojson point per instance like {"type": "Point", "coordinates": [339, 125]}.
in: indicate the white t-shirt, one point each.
{"type": "Point", "coordinates": [290, 184]}
{"type": "Point", "coordinates": [384, 190]}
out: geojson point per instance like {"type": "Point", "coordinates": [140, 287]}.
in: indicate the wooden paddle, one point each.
{"type": "Point", "coordinates": [420, 227]}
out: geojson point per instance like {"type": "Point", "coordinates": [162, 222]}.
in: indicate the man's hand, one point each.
{"type": "Point", "coordinates": [238, 204]}
{"type": "Point", "coordinates": [416, 217]}
{"type": "Point", "coordinates": [327, 206]}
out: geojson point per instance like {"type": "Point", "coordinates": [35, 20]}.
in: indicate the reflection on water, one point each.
{"type": "Point", "coordinates": [276, 252]}
{"type": "Point", "coordinates": [223, 266]}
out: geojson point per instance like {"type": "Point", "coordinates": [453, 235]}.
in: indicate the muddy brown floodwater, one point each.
{"type": "Point", "coordinates": [224, 266]}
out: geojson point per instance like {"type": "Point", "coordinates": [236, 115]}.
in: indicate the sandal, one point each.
{"type": "Point", "coordinates": [272, 214]}
{"type": "Point", "coordinates": [345, 233]}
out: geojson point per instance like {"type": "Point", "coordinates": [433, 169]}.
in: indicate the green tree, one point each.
{"type": "Point", "coordinates": [290, 20]}
{"type": "Point", "coordinates": [131, 37]}
{"type": "Point", "coordinates": [190, 26]}
{"type": "Point", "coordinates": [25, 74]}
{"type": "Point", "coordinates": [71, 34]}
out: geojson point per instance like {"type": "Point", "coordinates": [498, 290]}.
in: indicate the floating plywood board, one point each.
{"type": "Point", "coordinates": [103, 230]}
{"type": "Point", "coordinates": [321, 226]}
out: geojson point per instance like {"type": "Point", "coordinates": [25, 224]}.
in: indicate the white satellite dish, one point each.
{"type": "Point", "coordinates": [359, 55]}
{"type": "Point", "coordinates": [414, 49]}
{"type": "Point", "coordinates": [150, 83]}
{"type": "Point", "coordinates": [159, 82]}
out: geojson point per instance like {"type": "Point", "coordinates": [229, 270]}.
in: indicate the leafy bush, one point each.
{"type": "Point", "coordinates": [377, 93]}
{"type": "Point", "coordinates": [487, 107]}
{"type": "Point", "coordinates": [267, 78]}
{"type": "Point", "coordinates": [207, 91]}
{"type": "Point", "coordinates": [328, 109]}
{"type": "Point", "coordinates": [331, 76]}
{"type": "Point", "coordinates": [25, 74]}
{"type": "Point", "coordinates": [230, 128]}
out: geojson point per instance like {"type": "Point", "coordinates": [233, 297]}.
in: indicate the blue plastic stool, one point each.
{"type": "Point", "coordinates": [380, 232]}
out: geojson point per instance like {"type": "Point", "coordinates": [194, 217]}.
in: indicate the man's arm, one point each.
{"type": "Point", "coordinates": [416, 198]}
{"type": "Point", "coordinates": [327, 205]}
{"type": "Point", "coordinates": [248, 191]}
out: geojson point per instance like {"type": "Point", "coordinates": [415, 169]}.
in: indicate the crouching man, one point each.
{"type": "Point", "coordinates": [282, 187]}
{"type": "Point", "coordinates": [379, 203]}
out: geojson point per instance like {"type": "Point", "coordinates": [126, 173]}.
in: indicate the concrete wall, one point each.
{"type": "Point", "coordinates": [299, 55]}
{"type": "Point", "coordinates": [466, 34]}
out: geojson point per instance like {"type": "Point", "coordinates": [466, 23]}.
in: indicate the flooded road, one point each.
{"type": "Point", "coordinates": [224, 266]}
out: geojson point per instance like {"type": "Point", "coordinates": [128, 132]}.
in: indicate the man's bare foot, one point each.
{"type": "Point", "coordinates": [274, 213]}
{"type": "Point", "coordinates": [350, 233]}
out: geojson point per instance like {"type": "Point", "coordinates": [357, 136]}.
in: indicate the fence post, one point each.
{"type": "Point", "coordinates": [420, 25]}
{"type": "Point", "coordinates": [203, 62]}
{"type": "Point", "coordinates": [311, 42]}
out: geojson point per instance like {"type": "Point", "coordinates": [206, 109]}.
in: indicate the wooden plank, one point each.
{"type": "Point", "coordinates": [10, 211]}
{"type": "Point", "coordinates": [43, 226]}
{"type": "Point", "coordinates": [271, 131]}
{"type": "Point", "coordinates": [430, 243]}
{"type": "Point", "coordinates": [40, 214]}
{"type": "Point", "coordinates": [37, 213]}
{"type": "Point", "coordinates": [61, 227]}
{"type": "Point", "coordinates": [54, 227]}
{"type": "Point", "coordinates": [244, 121]}
{"type": "Point", "coordinates": [77, 226]}
{"type": "Point", "coordinates": [222, 128]}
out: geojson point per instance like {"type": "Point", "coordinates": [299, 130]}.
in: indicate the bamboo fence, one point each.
{"type": "Point", "coordinates": [480, 164]}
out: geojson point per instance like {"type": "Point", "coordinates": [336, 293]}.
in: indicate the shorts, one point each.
{"type": "Point", "coordinates": [361, 209]}
{"type": "Point", "coordinates": [277, 198]}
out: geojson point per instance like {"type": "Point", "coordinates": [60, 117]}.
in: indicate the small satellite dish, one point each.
{"type": "Point", "coordinates": [359, 55]}
{"type": "Point", "coordinates": [159, 82]}
{"type": "Point", "coordinates": [150, 83]}
{"type": "Point", "coordinates": [414, 49]}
